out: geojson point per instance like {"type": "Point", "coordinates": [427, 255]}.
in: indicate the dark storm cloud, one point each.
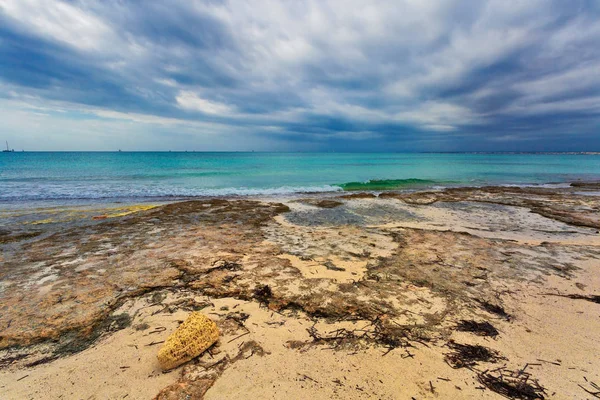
{"type": "Point", "coordinates": [344, 75]}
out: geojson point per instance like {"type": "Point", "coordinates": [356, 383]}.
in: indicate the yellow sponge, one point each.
{"type": "Point", "coordinates": [189, 340]}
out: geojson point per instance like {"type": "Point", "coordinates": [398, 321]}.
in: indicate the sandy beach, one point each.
{"type": "Point", "coordinates": [223, 200]}
{"type": "Point", "coordinates": [458, 293]}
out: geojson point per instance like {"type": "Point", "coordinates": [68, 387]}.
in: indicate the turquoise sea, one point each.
{"type": "Point", "coordinates": [32, 176]}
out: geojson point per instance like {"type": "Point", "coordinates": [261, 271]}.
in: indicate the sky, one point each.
{"type": "Point", "coordinates": [322, 75]}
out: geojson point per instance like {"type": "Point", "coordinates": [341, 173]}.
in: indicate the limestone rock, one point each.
{"type": "Point", "coordinates": [190, 339]}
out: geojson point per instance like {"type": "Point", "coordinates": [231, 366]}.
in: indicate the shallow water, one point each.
{"type": "Point", "coordinates": [136, 176]}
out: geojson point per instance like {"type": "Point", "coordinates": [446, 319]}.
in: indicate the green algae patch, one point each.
{"type": "Point", "coordinates": [41, 222]}
{"type": "Point", "coordinates": [121, 212]}
{"type": "Point", "coordinates": [6, 237]}
{"type": "Point", "coordinates": [385, 184]}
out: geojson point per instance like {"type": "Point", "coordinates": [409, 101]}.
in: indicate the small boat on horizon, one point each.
{"type": "Point", "coordinates": [8, 150]}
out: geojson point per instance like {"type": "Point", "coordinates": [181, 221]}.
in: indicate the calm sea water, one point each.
{"type": "Point", "coordinates": [82, 175]}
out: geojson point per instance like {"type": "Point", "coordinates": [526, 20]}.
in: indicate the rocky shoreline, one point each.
{"type": "Point", "coordinates": [396, 295]}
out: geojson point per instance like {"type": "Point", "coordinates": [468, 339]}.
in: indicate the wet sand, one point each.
{"type": "Point", "coordinates": [350, 297]}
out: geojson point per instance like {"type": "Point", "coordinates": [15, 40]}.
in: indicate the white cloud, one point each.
{"type": "Point", "coordinates": [191, 101]}
{"type": "Point", "coordinates": [562, 82]}
{"type": "Point", "coordinates": [166, 82]}
{"type": "Point", "coordinates": [590, 105]}
{"type": "Point", "coordinates": [355, 135]}
{"type": "Point", "coordinates": [60, 21]}
{"type": "Point", "coordinates": [437, 116]}
{"type": "Point", "coordinates": [269, 65]}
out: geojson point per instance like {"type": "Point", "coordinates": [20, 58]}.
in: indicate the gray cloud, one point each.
{"type": "Point", "coordinates": [308, 75]}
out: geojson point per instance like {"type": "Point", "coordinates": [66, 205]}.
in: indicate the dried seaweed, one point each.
{"type": "Point", "coordinates": [478, 328]}
{"type": "Point", "coordinates": [263, 294]}
{"type": "Point", "coordinates": [467, 355]}
{"type": "Point", "coordinates": [9, 359]}
{"type": "Point", "coordinates": [375, 333]}
{"type": "Point", "coordinates": [594, 298]}
{"type": "Point", "coordinates": [512, 384]}
{"type": "Point", "coordinates": [332, 267]}
{"type": "Point", "coordinates": [495, 309]}
{"type": "Point", "coordinates": [225, 266]}
{"type": "Point", "coordinates": [595, 391]}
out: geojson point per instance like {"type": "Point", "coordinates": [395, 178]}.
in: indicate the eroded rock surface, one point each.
{"type": "Point", "coordinates": [352, 275]}
{"type": "Point", "coordinates": [565, 206]}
